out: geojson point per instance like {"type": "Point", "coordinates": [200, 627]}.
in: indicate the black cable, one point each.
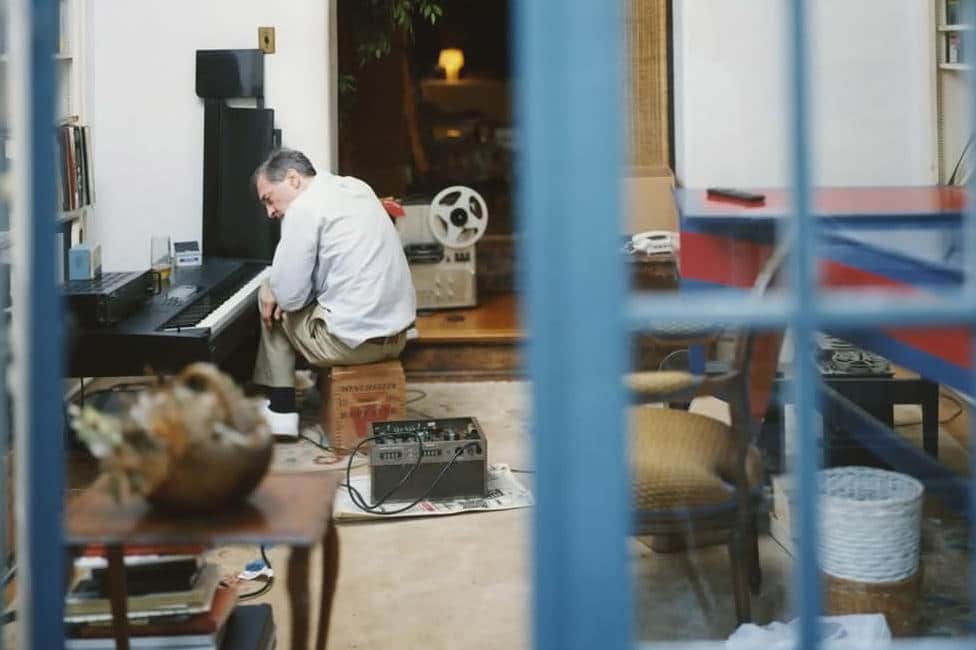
{"type": "Point", "coordinates": [128, 387]}
{"type": "Point", "coordinates": [413, 400]}
{"type": "Point", "coordinates": [960, 409]}
{"type": "Point", "coordinates": [257, 592]}
{"type": "Point", "coordinates": [317, 444]}
{"type": "Point", "coordinates": [10, 615]}
{"type": "Point", "coordinates": [354, 494]}
{"type": "Point", "coordinates": [360, 501]}
{"type": "Point", "coordinates": [962, 156]}
{"type": "Point", "coordinates": [437, 479]}
{"type": "Point", "coordinates": [11, 572]}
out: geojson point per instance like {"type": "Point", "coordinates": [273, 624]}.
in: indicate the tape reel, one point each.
{"type": "Point", "coordinates": [458, 216]}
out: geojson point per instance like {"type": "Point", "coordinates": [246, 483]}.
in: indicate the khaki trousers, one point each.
{"type": "Point", "coordinates": [305, 332]}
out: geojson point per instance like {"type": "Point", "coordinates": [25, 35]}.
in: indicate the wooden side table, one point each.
{"type": "Point", "coordinates": [289, 509]}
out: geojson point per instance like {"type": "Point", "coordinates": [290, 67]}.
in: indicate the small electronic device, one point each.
{"type": "Point", "coordinates": [109, 298]}
{"type": "Point", "coordinates": [453, 461]}
{"type": "Point", "coordinates": [739, 196]}
{"type": "Point", "coordinates": [84, 262]}
{"type": "Point", "coordinates": [187, 253]}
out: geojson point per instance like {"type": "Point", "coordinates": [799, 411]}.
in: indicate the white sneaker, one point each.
{"type": "Point", "coordinates": [283, 425]}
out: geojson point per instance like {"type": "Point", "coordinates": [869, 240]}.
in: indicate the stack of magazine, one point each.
{"type": "Point", "coordinates": [175, 600]}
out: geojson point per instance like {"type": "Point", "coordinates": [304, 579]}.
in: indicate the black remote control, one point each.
{"type": "Point", "coordinates": [735, 195]}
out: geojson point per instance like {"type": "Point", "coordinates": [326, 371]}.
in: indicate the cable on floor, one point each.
{"type": "Point", "coordinates": [267, 586]}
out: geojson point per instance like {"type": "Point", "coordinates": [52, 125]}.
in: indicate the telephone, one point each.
{"type": "Point", "coordinates": [654, 242]}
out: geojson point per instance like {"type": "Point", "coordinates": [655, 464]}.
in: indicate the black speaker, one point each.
{"type": "Point", "coordinates": [226, 74]}
{"type": "Point", "coordinates": [235, 142]}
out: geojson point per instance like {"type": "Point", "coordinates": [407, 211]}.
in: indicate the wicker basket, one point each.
{"type": "Point", "coordinates": [897, 601]}
{"type": "Point", "coordinates": [870, 524]}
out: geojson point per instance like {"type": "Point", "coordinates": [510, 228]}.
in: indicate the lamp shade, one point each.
{"type": "Point", "coordinates": [452, 60]}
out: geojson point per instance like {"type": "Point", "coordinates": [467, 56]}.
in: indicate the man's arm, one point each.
{"type": "Point", "coordinates": [290, 284]}
{"type": "Point", "coordinates": [267, 305]}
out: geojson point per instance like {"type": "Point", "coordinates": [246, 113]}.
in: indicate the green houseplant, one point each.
{"type": "Point", "coordinates": [376, 28]}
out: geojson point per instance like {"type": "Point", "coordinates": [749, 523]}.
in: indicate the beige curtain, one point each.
{"type": "Point", "coordinates": [648, 98]}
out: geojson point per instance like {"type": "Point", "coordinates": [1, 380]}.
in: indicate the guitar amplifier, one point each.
{"type": "Point", "coordinates": [453, 462]}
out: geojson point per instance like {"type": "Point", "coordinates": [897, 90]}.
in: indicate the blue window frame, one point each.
{"type": "Point", "coordinates": [569, 56]}
{"type": "Point", "coordinates": [39, 437]}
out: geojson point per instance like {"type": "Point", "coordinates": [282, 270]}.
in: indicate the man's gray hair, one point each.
{"type": "Point", "coordinates": [278, 164]}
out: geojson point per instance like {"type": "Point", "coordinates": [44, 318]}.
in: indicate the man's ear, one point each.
{"type": "Point", "coordinates": [294, 179]}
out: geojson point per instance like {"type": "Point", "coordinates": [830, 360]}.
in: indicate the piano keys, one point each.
{"type": "Point", "coordinates": [203, 313]}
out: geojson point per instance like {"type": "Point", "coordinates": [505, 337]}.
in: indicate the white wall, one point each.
{"type": "Point", "coordinates": [872, 95]}
{"type": "Point", "coordinates": [956, 118]}
{"type": "Point", "coordinates": [147, 121]}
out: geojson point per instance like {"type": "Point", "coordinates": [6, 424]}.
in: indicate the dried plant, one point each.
{"type": "Point", "coordinates": [198, 413]}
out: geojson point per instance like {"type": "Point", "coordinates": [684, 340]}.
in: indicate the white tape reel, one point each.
{"type": "Point", "coordinates": [458, 216]}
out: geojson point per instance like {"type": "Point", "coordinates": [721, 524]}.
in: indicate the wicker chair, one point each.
{"type": "Point", "coordinates": [694, 474]}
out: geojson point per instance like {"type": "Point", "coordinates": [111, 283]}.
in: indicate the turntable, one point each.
{"type": "Point", "coordinates": [839, 358]}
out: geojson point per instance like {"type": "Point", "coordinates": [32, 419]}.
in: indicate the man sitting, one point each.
{"type": "Point", "coordinates": [339, 291]}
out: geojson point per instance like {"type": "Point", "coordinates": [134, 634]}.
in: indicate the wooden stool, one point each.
{"type": "Point", "coordinates": [354, 396]}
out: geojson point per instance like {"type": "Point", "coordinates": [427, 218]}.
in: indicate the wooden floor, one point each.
{"type": "Point", "coordinates": [495, 319]}
{"type": "Point", "coordinates": [480, 343]}
{"type": "Point", "coordinates": [483, 343]}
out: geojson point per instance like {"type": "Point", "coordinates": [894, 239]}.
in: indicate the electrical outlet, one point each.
{"type": "Point", "coordinates": [266, 39]}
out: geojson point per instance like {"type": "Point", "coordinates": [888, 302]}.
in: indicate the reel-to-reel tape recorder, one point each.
{"type": "Point", "coordinates": [439, 240]}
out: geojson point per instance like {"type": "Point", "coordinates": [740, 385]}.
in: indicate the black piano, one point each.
{"type": "Point", "coordinates": [204, 313]}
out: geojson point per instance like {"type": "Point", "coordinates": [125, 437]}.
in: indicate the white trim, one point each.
{"type": "Point", "coordinates": [938, 128]}
{"type": "Point", "coordinates": [332, 84]}
{"type": "Point", "coordinates": [19, 34]}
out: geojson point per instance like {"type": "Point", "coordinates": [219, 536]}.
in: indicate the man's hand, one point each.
{"type": "Point", "coordinates": [267, 305]}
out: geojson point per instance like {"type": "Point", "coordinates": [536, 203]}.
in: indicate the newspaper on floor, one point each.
{"type": "Point", "coordinates": [504, 492]}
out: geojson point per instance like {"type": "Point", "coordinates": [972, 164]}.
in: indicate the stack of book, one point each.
{"type": "Point", "coordinates": [76, 187]}
{"type": "Point", "coordinates": [175, 600]}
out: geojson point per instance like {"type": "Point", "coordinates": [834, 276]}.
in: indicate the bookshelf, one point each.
{"type": "Point", "coordinates": [69, 61]}
{"type": "Point", "coordinates": [953, 66]}
{"type": "Point", "coordinates": [71, 109]}
{"type": "Point", "coordinates": [950, 32]}
{"type": "Point", "coordinates": [70, 103]}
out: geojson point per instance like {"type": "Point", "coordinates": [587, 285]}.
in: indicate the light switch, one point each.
{"type": "Point", "coordinates": [266, 39]}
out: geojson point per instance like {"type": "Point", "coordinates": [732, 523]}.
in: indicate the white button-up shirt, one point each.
{"type": "Point", "coordinates": [339, 247]}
